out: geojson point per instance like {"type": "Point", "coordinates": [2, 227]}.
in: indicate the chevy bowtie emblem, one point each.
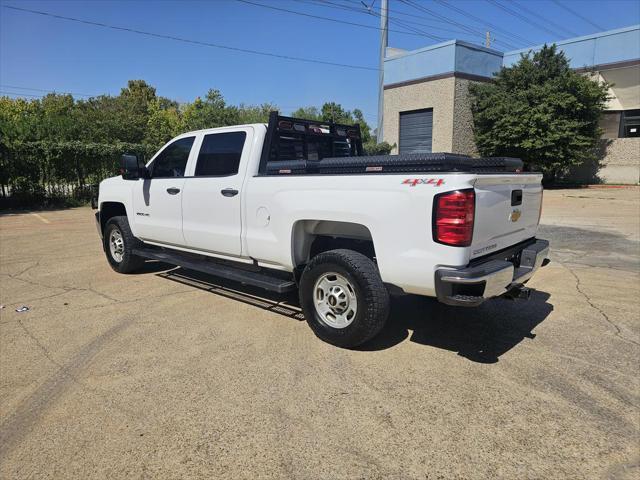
{"type": "Point", "coordinates": [515, 215]}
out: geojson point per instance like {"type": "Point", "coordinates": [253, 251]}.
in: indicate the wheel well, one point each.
{"type": "Point", "coordinates": [311, 237]}
{"type": "Point", "coordinates": [109, 210]}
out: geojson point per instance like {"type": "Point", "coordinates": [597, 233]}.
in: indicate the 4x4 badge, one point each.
{"type": "Point", "coordinates": [436, 182]}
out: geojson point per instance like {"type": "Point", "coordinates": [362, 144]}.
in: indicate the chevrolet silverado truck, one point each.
{"type": "Point", "coordinates": [294, 204]}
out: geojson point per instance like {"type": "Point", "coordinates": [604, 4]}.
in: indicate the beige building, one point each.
{"type": "Point", "coordinates": [427, 105]}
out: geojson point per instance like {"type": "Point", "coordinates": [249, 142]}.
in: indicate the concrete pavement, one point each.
{"type": "Point", "coordinates": [169, 374]}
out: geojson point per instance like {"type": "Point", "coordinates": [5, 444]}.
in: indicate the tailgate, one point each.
{"type": "Point", "coordinates": [507, 211]}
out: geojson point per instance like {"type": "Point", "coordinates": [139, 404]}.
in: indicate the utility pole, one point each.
{"type": "Point", "coordinates": [384, 40]}
{"type": "Point", "coordinates": [487, 39]}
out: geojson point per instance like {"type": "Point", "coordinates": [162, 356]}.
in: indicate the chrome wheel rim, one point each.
{"type": "Point", "coordinates": [335, 300]}
{"type": "Point", "coordinates": [116, 245]}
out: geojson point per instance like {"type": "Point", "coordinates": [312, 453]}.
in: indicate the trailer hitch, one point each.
{"type": "Point", "coordinates": [518, 292]}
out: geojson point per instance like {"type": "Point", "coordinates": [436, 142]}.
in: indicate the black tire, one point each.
{"type": "Point", "coordinates": [129, 262]}
{"type": "Point", "coordinates": [371, 295]}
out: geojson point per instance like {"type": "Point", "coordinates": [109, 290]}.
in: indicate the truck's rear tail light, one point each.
{"type": "Point", "coordinates": [453, 215]}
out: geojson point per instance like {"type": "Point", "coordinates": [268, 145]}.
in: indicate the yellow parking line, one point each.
{"type": "Point", "coordinates": [41, 218]}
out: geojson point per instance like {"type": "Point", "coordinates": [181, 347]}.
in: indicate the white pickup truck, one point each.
{"type": "Point", "coordinates": [295, 204]}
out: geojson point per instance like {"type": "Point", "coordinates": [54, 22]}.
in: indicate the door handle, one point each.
{"type": "Point", "coordinates": [173, 191]}
{"type": "Point", "coordinates": [229, 192]}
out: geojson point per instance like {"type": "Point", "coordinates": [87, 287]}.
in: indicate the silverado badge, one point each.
{"type": "Point", "coordinates": [515, 215]}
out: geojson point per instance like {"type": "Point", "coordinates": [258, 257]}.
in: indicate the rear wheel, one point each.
{"type": "Point", "coordinates": [119, 243]}
{"type": "Point", "coordinates": [343, 298]}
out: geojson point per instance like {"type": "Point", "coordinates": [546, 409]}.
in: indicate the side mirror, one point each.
{"type": "Point", "coordinates": [131, 168]}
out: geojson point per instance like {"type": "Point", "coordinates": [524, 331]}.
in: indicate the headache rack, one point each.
{"type": "Point", "coordinates": [294, 146]}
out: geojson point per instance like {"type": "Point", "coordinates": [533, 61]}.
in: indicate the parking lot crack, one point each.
{"type": "Point", "coordinates": [617, 330]}
{"type": "Point", "coordinates": [22, 272]}
{"type": "Point", "coordinates": [65, 288]}
{"type": "Point", "coordinates": [45, 350]}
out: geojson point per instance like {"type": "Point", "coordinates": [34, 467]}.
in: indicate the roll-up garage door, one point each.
{"type": "Point", "coordinates": [415, 131]}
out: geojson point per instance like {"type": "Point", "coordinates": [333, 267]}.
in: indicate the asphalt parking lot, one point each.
{"type": "Point", "coordinates": [169, 374]}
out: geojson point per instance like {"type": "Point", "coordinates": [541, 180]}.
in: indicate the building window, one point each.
{"type": "Point", "coordinates": [416, 128]}
{"type": "Point", "coordinates": [610, 124]}
{"type": "Point", "coordinates": [630, 123]}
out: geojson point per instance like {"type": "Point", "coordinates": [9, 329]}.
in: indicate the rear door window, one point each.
{"type": "Point", "coordinates": [220, 154]}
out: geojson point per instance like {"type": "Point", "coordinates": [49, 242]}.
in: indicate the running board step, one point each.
{"type": "Point", "coordinates": [256, 279]}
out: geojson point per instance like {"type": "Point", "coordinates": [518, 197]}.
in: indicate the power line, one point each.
{"type": "Point", "coordinates": [457, 30]}
{"type": "Point", "coordinates": [445, 19]}
{"type": "Point", "coordinates": [452, 22]}
{"type": "Point", "coordinates": [550, 22]}
{"type": "Point", "coordinates": [4, 92]}
{"type": "Point", "coordinates": [513, 13]}
{"type": "Point", "coordinates": [361, 25]}
{"type": "Point", "coordinates": [577, 14]}
{"type": "Point", "coordinates": [194, 42]}
{"type": "Point", "coordinates": [442, 17]}
{"type": "Point", "coordinates": [409, 27]}
{"type": "Point", "coordinates": [402, 24]}
{"type": "Point", "coordinates": [431, 13]}
{"type": "Point", "coordinates": [336, 6]}
{"type": "Point", "coordinates": [47, 91]}
{"type": "Point", "coordinates": [515, 37]}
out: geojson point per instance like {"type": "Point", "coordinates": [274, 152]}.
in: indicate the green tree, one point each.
{"type": "Point", "coordinates": [255, 113]}
{"type": "Point", "coordinates": [135, 103]}
{"type": "Point", "coordinates": [308, 113]}
{"type": "Point", "coordinates": [19, 119]}
{"type": "Point", "coordinates": [365, 129]}
{"type": "Point", "coordinates": [539, 110]}
{"type": "Point", "coordinates": [19, 122]}
{"type": "Point", "coordinates": [334, 112]}
{"type": "Point", "coordinates": [57, 119]}
{"type": "Point", "coordinates": [162, 126]}
{"type": "Point", "coordinates": [209, 113]}
{"type": "Point", "coordinates": [101, 119]}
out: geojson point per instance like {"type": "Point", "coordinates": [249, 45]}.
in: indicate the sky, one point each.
{"type": "Point", "coordinates": [41, 53]}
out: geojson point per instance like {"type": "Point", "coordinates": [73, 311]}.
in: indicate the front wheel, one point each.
{"type": "Point", "coordinates": [343, 298]}
{"type": "Point", "coordinates": [118, 245]}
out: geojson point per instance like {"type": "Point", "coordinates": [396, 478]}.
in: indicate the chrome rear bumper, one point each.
{"type": "Point", "coordinates": [473, 285]}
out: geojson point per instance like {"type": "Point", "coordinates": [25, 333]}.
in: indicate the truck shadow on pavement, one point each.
{"type": "Point", "coordinates": [481, 334]}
